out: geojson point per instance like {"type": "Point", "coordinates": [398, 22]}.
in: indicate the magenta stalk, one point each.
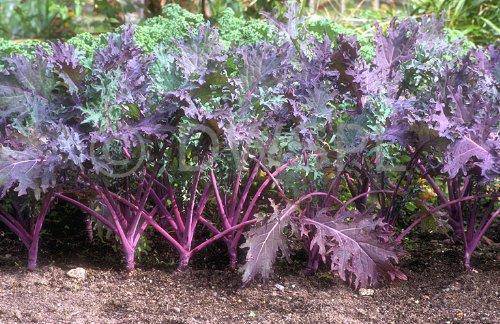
{"type": "Point", "coordinates": [30, 234]}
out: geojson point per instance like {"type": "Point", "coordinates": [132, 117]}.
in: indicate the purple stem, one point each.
{"type": "Point", "coordinates": [221, 234]}
{"type": "Point", "coordinates": [243, 197]}
{"type": "Point", "coordinates": [364, 194]}
{"type": "Point", "coordinates": [432, 211]}
{"type": "Point", "coordinates": [188, 231]}
{"type": "Point", "coordinates": [477, 239]}
{"type": "Point", "coordinates": [255, 198]}
{"type": "Point", "coordinates": [16, 227]}
{"type": "Point", "coordinates": [201, 207]}
{"type": "Point", "coordinates": [30, 237]}
{"type": "Point", "coordinates": [209, 225]}
{"type": "Point", "coordinates": [273, 178]}
{"type": "Point", "coordinates": [432, 183]}
{"type": "Point", "coordinates": [33, 248]}
{"type": "Point", "coordinates": [127, 247]}
{"type": "Point", "coordinates": [135, 222]}
{"type": "Point", "coordinates": [234, 197]}
{"type": "Point", "coordinates": [166, 213]}
{"type": "Point", "coordinates": [165, 234]}
{"type": "Point", "coordinates": [87, 210]}
{"type": "Point", "coordinates": [175, 205]}
{"type": "Point", "coordinates": [220, 204]}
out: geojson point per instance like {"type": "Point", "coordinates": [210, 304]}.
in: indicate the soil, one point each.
{"type": "Point", "coordinates": [437, 290]}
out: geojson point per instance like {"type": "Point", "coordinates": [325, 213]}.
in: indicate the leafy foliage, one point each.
{"type": "Point", "coordinates": [116, 126]}
{"type": "Point", "coordinates": [264, 242]}
{"type": "Point", "coordinates": [240, 31]}
{"type": "Point", "coordinates": [40, 139]}
{"type": "Point", "coordinates": [174, 23]}
{"type": "Point", "coordinates": [357, 247]}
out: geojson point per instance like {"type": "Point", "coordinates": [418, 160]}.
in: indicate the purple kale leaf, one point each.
{"type": "Point", "coordinates": [291, 28]}
{"type": "Point", "coordinates": [471, 105]}
{"type": "Point", "coordinates": [26, 169]}
{"type": "Point", "coordinates": [124, 63]}
{"type": "Point", "coordinates": [455, 102]}
{"type": "Point", "coordinates": [351, 69]}
{"type": "Point", "coordinates": [264, 242]}
{"type": "Point", "coordinates": [31, 91]}
{"type": "Point", "coordinates": [25, 90]}
{"type": "Point", "coordinates": [467, 149]}
{"type": "Point", "coordinates": [64, 61]}
{"type": "Point", "coordinates": [316, 62]}
{"type": "Point", "coordinates": [394, 49]}
{"type": "Point", "coordinates": [37, 161]}
{"type": "Point", "coordinates": [357, 247]}
{"type": "Point", "coordinates": [71, 145]}
{"type": "Point", "coordinates": [121, 48]}
{"type": "Point", "coordinates": [200, 53]}
{"type": "Point", "coordinates": [262, 66]}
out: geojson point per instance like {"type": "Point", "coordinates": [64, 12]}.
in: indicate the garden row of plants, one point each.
{"type": "Point", "coordinates": [291, 136]}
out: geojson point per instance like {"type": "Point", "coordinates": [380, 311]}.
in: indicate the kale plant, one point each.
{"type": "Point", "coordinates": [255, 133]}
{"type": "Point", "coordinates": [42, 146]}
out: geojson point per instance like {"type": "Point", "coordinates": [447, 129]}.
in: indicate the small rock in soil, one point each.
{"type": "Point", "coordinates": [280, 287]}
{"type": "Point", "coordinates": [366, 292]}
{"type": "Point", "coordinates": [77, 273]}
{"type": "Point", "coordinates": [41, 282]}
{"type": "Point", "coordinates": [176, 309]}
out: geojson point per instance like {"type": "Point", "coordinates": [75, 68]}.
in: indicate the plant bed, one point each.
{"type": "Point", "coordinates": [435, 291]}
{"type": "Point", "coordinates": [296, 141]}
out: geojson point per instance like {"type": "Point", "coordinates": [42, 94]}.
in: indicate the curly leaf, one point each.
{"type": "Point", "coordinates": [263, 244]}
{"type": "Point", "coordinates": [24, 89]}
{"type": "Point", "coordinates": [65, 62]}
{"type": "Point", "coordinates": [197, 54]}
{"type": "Point", "coordinates": [466, 149]}
{"type": "Point", "coordinates": [28, 169]}
{"type": "Point", "coordinates": [359, 250]}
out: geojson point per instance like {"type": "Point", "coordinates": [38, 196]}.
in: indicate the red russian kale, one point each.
{"type": "Point", "coordinates": [449, 123]}
{"type": "Point", "coordinates": [358, 247]}
{"type": "Point", "coordinates": [41, 147]}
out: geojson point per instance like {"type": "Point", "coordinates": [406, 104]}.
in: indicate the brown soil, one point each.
{"type": "Point", "coordinates": [437, 290]}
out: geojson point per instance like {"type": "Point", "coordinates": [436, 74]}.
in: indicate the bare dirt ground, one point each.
{"type": "Point", "coordinates": [438, 291]}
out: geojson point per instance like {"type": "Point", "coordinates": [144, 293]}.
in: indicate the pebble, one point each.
{"type": "Point", "coordinates": [77, 273]}
{"type": "Point", "coordinates": [366, 292]}
{"type": "Point", "coordinates": [456, 286]}
{"type": "Point", "coordinates": [280, 287]}
{"type": "Point", "coordinates": [42, 282]}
